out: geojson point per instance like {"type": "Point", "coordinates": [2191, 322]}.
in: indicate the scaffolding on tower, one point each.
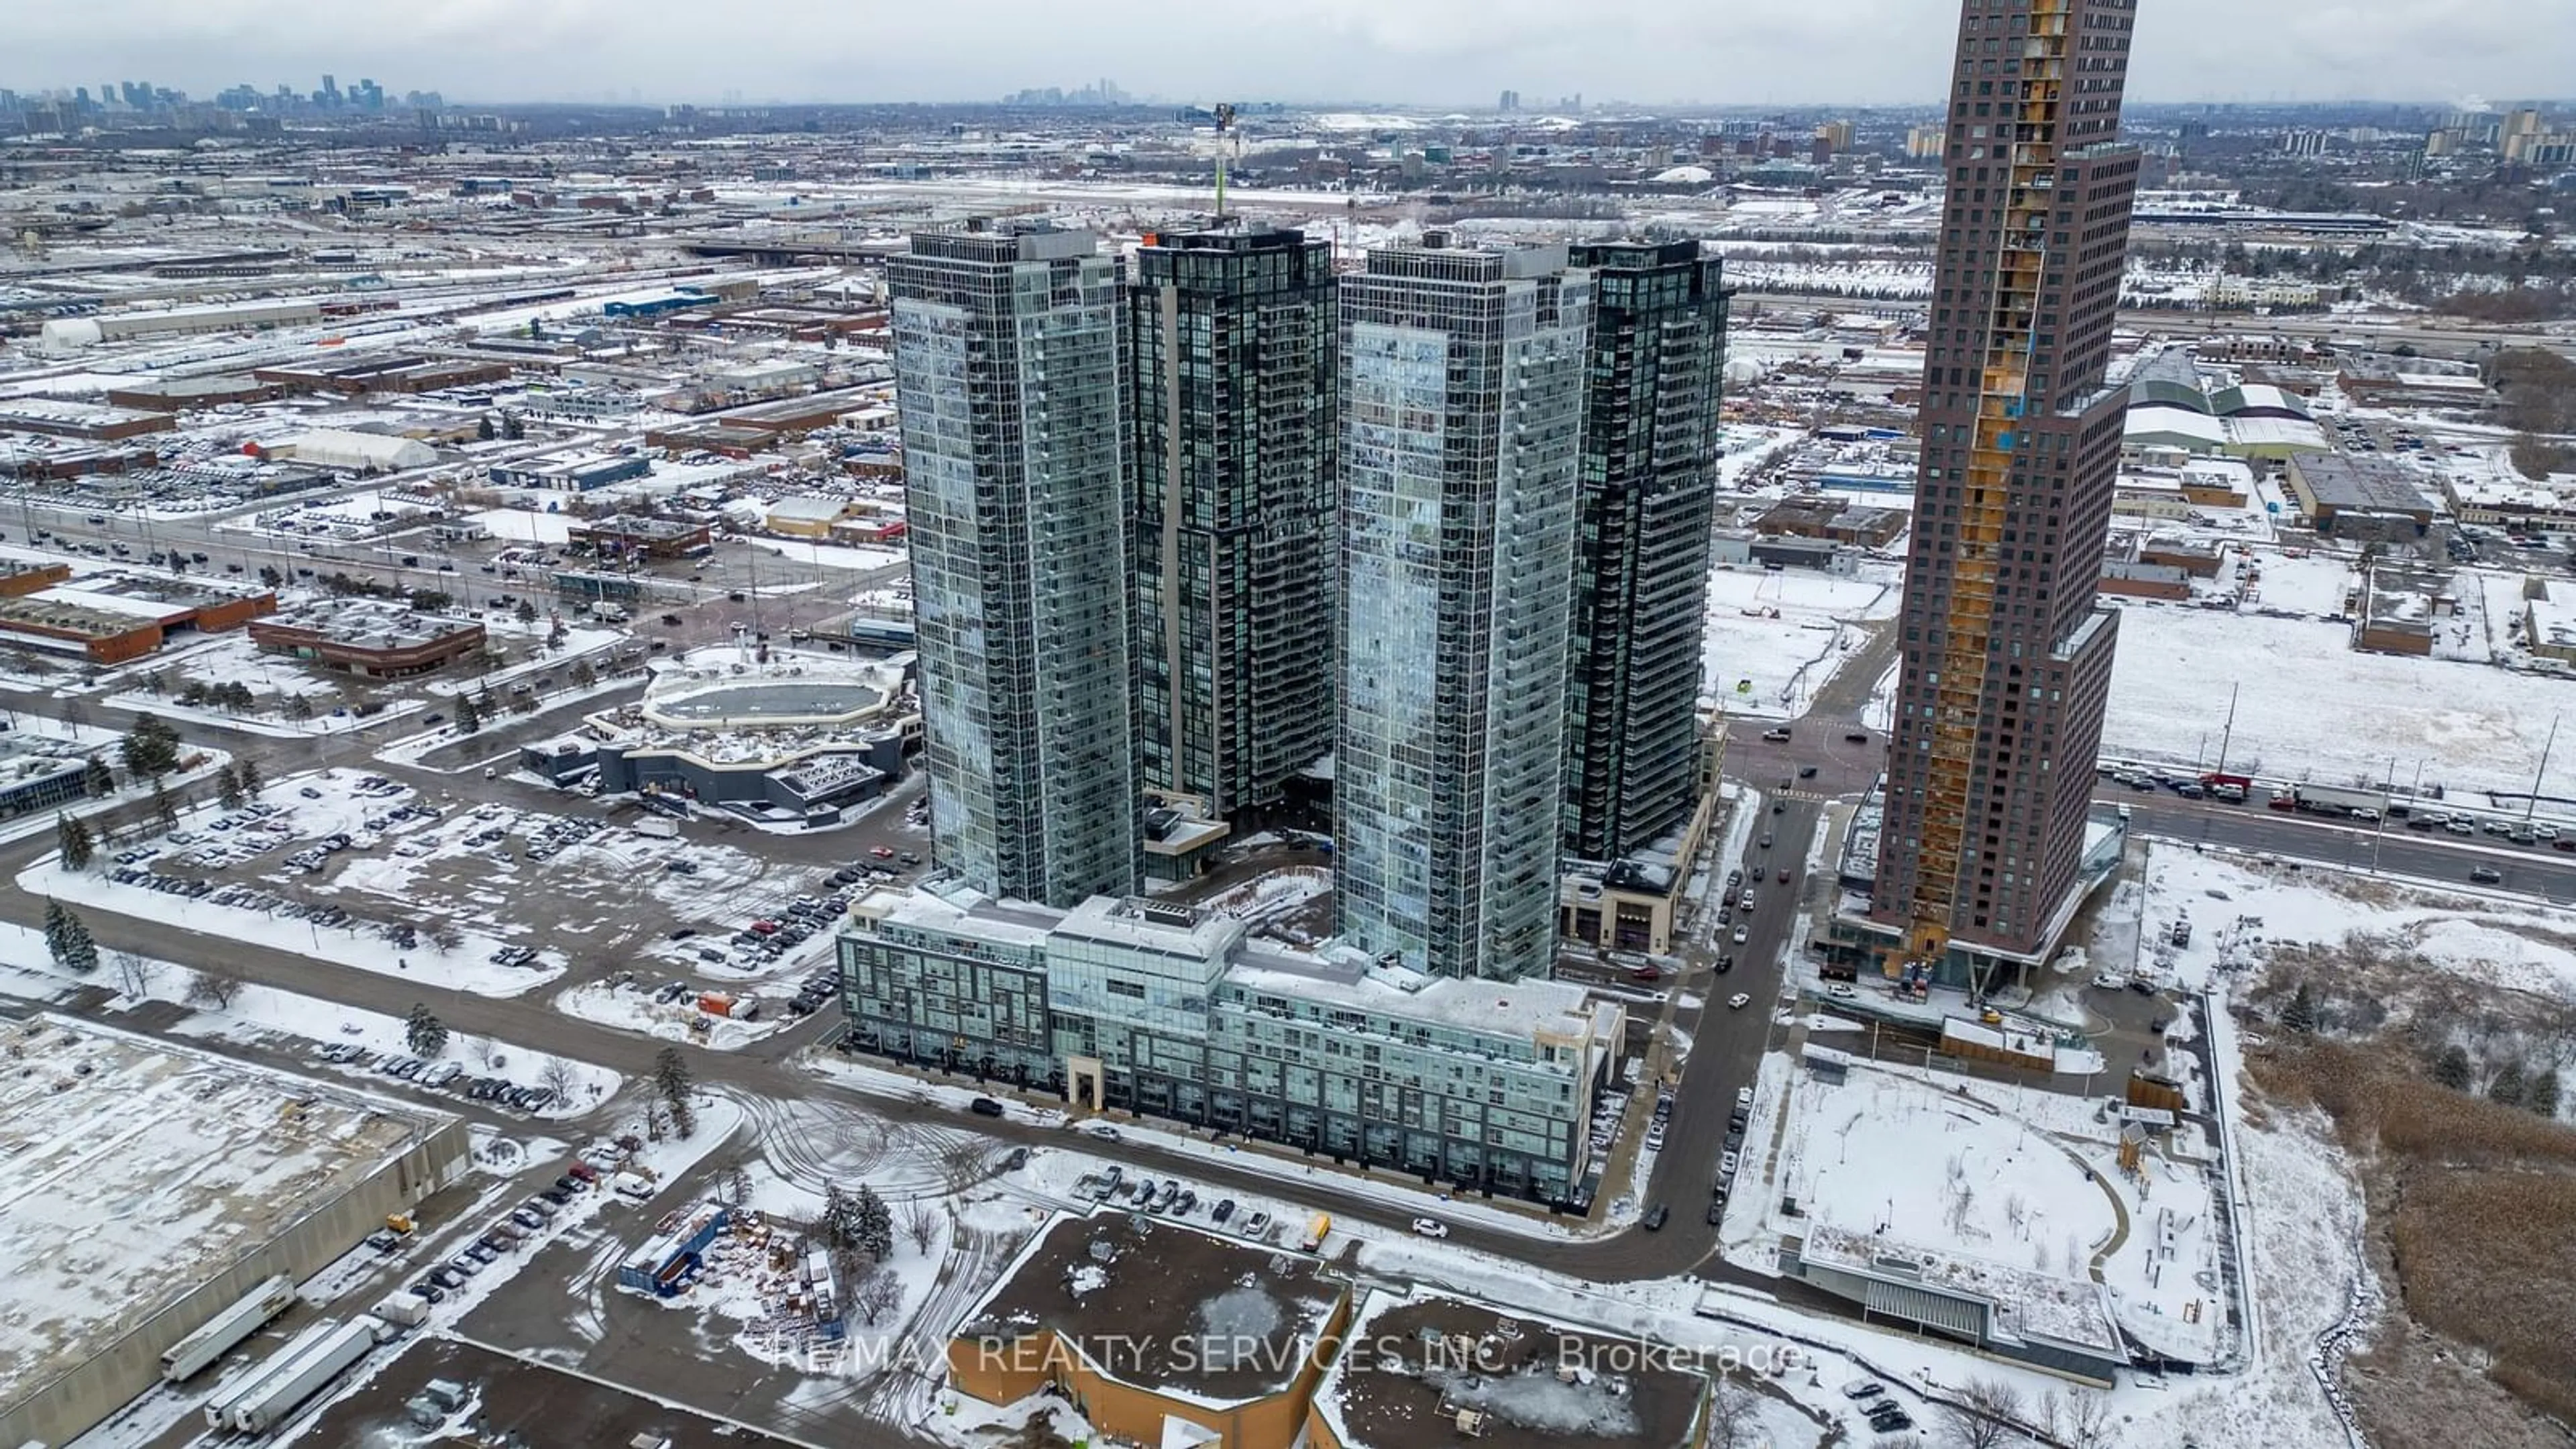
{"type": "Point", "coordinates": [2003, 400]}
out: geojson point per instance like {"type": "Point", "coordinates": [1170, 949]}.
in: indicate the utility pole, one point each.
{"type": "Point", "coordinates": [2532, 804]}
{"type": "Point", "coordinates": [2229, 730]}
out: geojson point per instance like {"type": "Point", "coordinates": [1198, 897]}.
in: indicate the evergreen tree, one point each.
{"type": "Point", "coordinates": [71, 833]}
{"type": "Point", "coordinates": [526, 613]}
{"type": "Point", "coordinates": [2300, 1016]}
{"type": "Point", "coordinates": [2451, 1068]}
{"type": "Point", "coordinates": [68, 941]}
{"type": "Point", "coordinates": [165, 811]}
{"type": "Point", "coordinates": [483, 428]}
{"type": "Point", "coordinates": [583, 676]}
{"type": "Point", "coordinates": [151, 747]}
{"type": "Point", "coordinates": [671, 1079]}
{"type": "Point", "coordinates": [2507, 1088]}
{"type": "Point", "coordinates": [251, 783]}
{"type": "Point", "coordinates": [228, 790]}
{"type": "Point", "coordinates": [424, 1033]}
{"type": "Point", "coordinates": [298, 707]}
{"type": "Point", "coordinates": [872, 1225]}
{"type": "Point", "coordinates": [469, 717]}
{"type": "Point", "coordinates": [2541, 1095]}
{"type": "Point", "coordinates": [98, 779]}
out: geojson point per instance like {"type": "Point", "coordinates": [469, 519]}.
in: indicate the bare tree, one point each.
{"type": "Point", "coordinates": [2088, 1421]}
{"type": "Point", "coordinates": [652, 1120]}
{"type": "Point", "coordinates": [446, 937]}
{"type": "Point", "coordinates": [878, 1294]}
{"type": "Point", "coordinates": [213, 985]}
{"type": "Point", "coordinates": [557, 1077]}
{"type": "Point", "coordinates": [135, 972]}
{"type": "Point", "coordinates": [921, 1225]}
{"type": "Point", "coordinates": [1988, 1411]}
{"type": "Point", "coordinates": [486, 1052]}
{"type": "Point", "coordinates": [1734, 1417]}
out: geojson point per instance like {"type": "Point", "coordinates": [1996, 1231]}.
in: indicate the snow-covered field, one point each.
{"type": "Point", "coordinates": [2238, 906]}
{"type": "Point", "coordinates": [1774, 638]}
{"type": "Point", "coordinates": [2308, 707]}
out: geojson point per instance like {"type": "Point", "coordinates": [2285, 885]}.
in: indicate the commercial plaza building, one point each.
{"type": "Point", "coordinates": [1006, 369]}
{"type": "Point", "coordinates": [1229, 446]}
{"type": "Point", "coordinates": [1647, 496]}
{"type": "Point", "coordinates": [1173, 1011]}
{"type": "Point", "coordinates": [2006, 655]}
{"type": "Point", "coordinates": [1462, 427]}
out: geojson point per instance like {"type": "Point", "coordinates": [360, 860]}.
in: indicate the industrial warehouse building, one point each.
{"type": "Point", "coordinates": [156, 1186]}
{"type": "Point", "coordinates": [355, 451]}
{"type": "Point", "coordinates": [112, 617]}
{"type": "Point", "coordinates": [70, 334]}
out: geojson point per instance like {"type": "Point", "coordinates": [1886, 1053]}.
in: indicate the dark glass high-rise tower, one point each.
{"type": "Point", "coordinates": [2006, 657]}
{"type": "Point", "coordinates": [1229, 345]}
{"type": "Point", "coordinates": [1006, 370]}
{"type": "Point", "coordinates": [1644, 500]}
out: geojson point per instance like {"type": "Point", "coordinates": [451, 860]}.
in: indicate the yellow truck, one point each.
{"type": "Point", "coordinates": [1316, 1231]}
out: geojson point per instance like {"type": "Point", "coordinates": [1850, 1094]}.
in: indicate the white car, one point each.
{"type": "Point", "coordinates": [1737, 1001]}
{"type": "Point", "coordinates": [1742, 935]}
{"type": "Point", "coordinates": [1431, 1227]}
{"type": "Point", "coordinates": [1841, 992]}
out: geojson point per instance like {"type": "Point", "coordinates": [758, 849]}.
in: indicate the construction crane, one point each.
{"type": "Point", "coordinates": [2003, 397]}
{"type": "Point", "coordinates": [1224, 128]}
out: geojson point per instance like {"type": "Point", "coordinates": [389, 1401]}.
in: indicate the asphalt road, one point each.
{"type": "Point", "coordinates": [2390, 849]}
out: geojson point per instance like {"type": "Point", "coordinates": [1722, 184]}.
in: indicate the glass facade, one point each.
{"type": "Point", "coordinates": [1462, 426]}
{"type": "Point", "coordinates": [1188, 1021]}
{"type": "Point", "coordinates": [1006, 373]}
{"type": "Point", "coordinates": [1230, 352]}
{"type": "Point", "coordinates": [1647, 500]}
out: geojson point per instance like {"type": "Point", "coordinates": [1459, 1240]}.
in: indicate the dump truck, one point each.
{"type": "Point", "coordinates": [285, 1388]}
{"type": "Point", "coordinates": [216, 1337]}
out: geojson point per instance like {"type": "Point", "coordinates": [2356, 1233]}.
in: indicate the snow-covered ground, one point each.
{"type": "Point", "coordinates": [310, 809]}
{"type": "Point", "coordinates": [2239, 906]}
{"type": "Point", "coordinates": [632, 1008]}
{"type": "Point", "coordinates": [1774, 638]}
{"type": "Point", "coordinates": [2467, 726]}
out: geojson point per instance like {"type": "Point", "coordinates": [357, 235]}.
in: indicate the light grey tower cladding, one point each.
{"type": "Point", "coordinates": [1462, 429]}
{"type": "Point", "coordinates": [1006, 371]}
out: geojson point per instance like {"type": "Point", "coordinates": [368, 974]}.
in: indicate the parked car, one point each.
{"type": "Point", "coordinates": [985, 1107]}
{"type": "Point", "coordinates": [1656, 1217]}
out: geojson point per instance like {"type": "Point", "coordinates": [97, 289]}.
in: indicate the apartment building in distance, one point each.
{"type": "Point", "coordinates": [1462, 425]}
{"type": "Point", "coordinates": [1006, 369]}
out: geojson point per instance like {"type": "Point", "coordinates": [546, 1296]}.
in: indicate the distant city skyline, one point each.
{"type": "Point", "coordinates": [1763, 52]}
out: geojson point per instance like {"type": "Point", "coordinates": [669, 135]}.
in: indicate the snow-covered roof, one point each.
{"type": "Point", "coordinates": [1416, 1367]}
{"type": "Point", "coordinates": [1205, 1320]}
{"type": "Point", "coordinates": [140, 1170]}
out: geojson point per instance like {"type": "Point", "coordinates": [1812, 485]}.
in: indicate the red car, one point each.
{"type": "Point", "coordinates": [764, 928]}
{"type": "Point", "coordinates": [882, 852]}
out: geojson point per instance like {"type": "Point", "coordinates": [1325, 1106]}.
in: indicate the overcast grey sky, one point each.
{"type": "Point", "coordinates": [1428, 52]}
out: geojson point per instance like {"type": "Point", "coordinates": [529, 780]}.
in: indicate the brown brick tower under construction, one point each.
{"type": "Point", "coordinates": [2006, 658]}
